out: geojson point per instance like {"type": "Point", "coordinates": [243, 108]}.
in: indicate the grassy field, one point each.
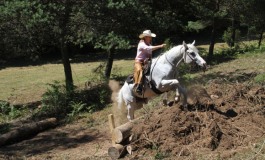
{"type": "Point", "coordinates": [21, 85]}
{"type": "Point", "coordinates": [27, 84]}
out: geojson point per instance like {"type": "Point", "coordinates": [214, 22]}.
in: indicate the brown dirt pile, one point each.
{"type": "Point", "coordinates": [222, 118]}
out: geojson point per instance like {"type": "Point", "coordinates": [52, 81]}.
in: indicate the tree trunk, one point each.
{"type": "Point", "coordinates": [27, 131]}
{"type": "Point", "coordinates": [67, 67]}
{"type": "Point", "coordinates": [211, 48]}
{"type": "Point", "coordinates": [260, 38]}
{"type": "Point", "coordinates": [109, 64]}
{"type": "Point", "coordinates": [233, 35]}
{"type": "Point", "coordinates": [64, 49]}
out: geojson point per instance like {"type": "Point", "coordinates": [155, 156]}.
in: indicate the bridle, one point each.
{"type": "Point", "coordinates": [183, 58]}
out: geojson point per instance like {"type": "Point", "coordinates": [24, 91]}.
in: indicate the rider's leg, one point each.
{"type": "Point", "coordinates": [138, 74]}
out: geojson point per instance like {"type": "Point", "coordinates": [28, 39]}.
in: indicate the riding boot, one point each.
{"type": "Point", "coordinates": [139, 89]}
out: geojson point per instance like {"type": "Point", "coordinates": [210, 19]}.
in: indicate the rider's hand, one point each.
{"type": "Point", "coordinates": [162, 45]}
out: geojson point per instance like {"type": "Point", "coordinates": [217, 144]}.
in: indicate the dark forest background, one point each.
{"type": "Point", "coordinates": [43, 30]}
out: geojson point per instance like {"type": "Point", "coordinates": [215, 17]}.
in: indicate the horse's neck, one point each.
{"type": "Point", "coordinates": [174, 55]}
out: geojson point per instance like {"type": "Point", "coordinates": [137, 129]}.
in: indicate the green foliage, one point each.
{"type": "Point", "coordinates": [23, 28]}
{"type": "Point", "coordinates": [168, 46]}
{"type": "Point", "coordinates": [4, 107]}
{"type": "Point", "coordinates": [260, 78]}
{"type": "Point", "coordinates": [161, 155]}
{"type": "Point", "coordinates": [197, 25]}
{"type": "Point", "coordinates": [111, 41]}
{"type": "Point", "coordinates": [227, 36]}
{"type": "Point", "coordinates": [8, 111]}
{"type": "Point", "coordinates": [54, 102]}
{"type": "Point", "coordinates": [76, 108]}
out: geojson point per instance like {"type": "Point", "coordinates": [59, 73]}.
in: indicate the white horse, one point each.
{"type": "Point", "coordinates": [162, 78]}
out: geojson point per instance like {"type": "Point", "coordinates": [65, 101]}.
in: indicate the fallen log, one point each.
{"type": "Point", "coordinates": [26, 131]}
{"type": "Point", "coordinates": [122, 132]}
{"type": "Point", "coordinates": [117, 151]}
{"type": "Point", "coordinates": [119, 134]}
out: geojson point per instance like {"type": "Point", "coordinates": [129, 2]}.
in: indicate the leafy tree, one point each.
{"type": "Point", "coordinates": [115, 25]}
{"type": "Point", "coordinates": [209, 12]}
{"type": "Point", "coordinates": [23, 29]}
{"type": "Point", "coordinates": [235, 9]}
{"type": "Point", "coordinates": [254, 16]}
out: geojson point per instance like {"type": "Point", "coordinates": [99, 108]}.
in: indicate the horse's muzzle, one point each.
{"type": "Point", "coordinates": [204, 67]}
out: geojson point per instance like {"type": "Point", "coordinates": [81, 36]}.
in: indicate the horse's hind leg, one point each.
{"type": "Point", "coordinates": [131, 108]}
{"type": "Point", "coordinates": [130, 114]}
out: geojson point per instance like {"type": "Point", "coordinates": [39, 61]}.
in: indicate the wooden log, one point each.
{"type": "Point", "coordinates": [116, 151]}
{"type": "Point", "coordinates": [111, 122]}
{"type": "Point", "coordinates": [26, 131]}
{"type": "Point", "coordinates": [129, 149]}
{"type": "Point", "coordinates": [122, 132]}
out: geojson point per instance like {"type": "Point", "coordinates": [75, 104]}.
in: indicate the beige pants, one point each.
{"type": "Point", "coordinates": [138, 73]}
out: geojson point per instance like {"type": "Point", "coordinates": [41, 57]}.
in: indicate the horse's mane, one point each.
{"type": "Point", "coordinates": [176, 47]}
{"type": "Point", "coordinates": [171, 49]}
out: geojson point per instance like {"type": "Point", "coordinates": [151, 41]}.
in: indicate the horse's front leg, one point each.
{"type": "Point", "coordinates": [165, 99]}
{"type": "Point", "coordinates": [175, 85]}
{"type": "Point", "coordinates": [183, 91]}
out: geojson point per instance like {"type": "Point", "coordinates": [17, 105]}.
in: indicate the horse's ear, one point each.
{"type": "Point", "coordinates": [185, 45]}
{"type": "Point", "coordinates": [193, 42]}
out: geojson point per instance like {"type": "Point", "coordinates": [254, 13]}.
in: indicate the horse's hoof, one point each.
{"type": "Point", "coordinates": [184, 107]}
{"type": "Point", "coordinates": [170, 104]}
{"type": "Point", "coordinates": [177, 99]}
{"type": "Point", "coordinates": [164, 102]}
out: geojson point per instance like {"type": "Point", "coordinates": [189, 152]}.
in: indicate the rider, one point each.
{"type": "Point", "coordinates": [144, 51]}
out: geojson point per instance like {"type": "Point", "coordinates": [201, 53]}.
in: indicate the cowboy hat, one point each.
{"type": "Point", "coordinates": [147, 33]}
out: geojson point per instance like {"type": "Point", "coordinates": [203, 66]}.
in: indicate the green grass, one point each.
{"type": "Point", "coordinates": [27, 84]}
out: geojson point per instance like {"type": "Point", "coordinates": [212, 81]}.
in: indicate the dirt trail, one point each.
{"type": "Point", "coordinates": [73, 141]}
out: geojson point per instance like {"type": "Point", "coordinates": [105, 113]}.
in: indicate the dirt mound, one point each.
{"type": "Point", "coordinates": [221, 119]}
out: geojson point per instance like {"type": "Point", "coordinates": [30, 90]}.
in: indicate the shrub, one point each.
{"type": "Point", "coordinates": [54, 102]}
{"type": "Point", "coordinates": [260, 78]}
{"type": "Point", "coordinates": [227, 36]}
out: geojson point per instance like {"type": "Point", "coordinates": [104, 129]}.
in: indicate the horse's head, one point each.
{"type": "Point", "coordinates": [192, 55]}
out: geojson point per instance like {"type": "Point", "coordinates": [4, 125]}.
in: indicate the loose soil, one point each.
{"type": "Point", "coordinates": [220, 121]}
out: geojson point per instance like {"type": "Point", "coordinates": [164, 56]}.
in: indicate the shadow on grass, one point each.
{"type": "Point", "coordinates": [79, 58]}
{"type": "Point", "coordinates": [47, 141]}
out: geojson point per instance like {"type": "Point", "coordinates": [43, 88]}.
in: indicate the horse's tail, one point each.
{"type": "Point", "coordinates": [119, 109]}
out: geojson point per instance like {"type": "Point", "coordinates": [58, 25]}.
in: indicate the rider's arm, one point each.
{"type": "Point", "coordinates": [146, 48]}
{"type": "Point", "coordinates": [158, 46]}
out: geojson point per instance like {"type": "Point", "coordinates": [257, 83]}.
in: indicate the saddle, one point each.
{"type": "Point", "coordinates": [146, 72]}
